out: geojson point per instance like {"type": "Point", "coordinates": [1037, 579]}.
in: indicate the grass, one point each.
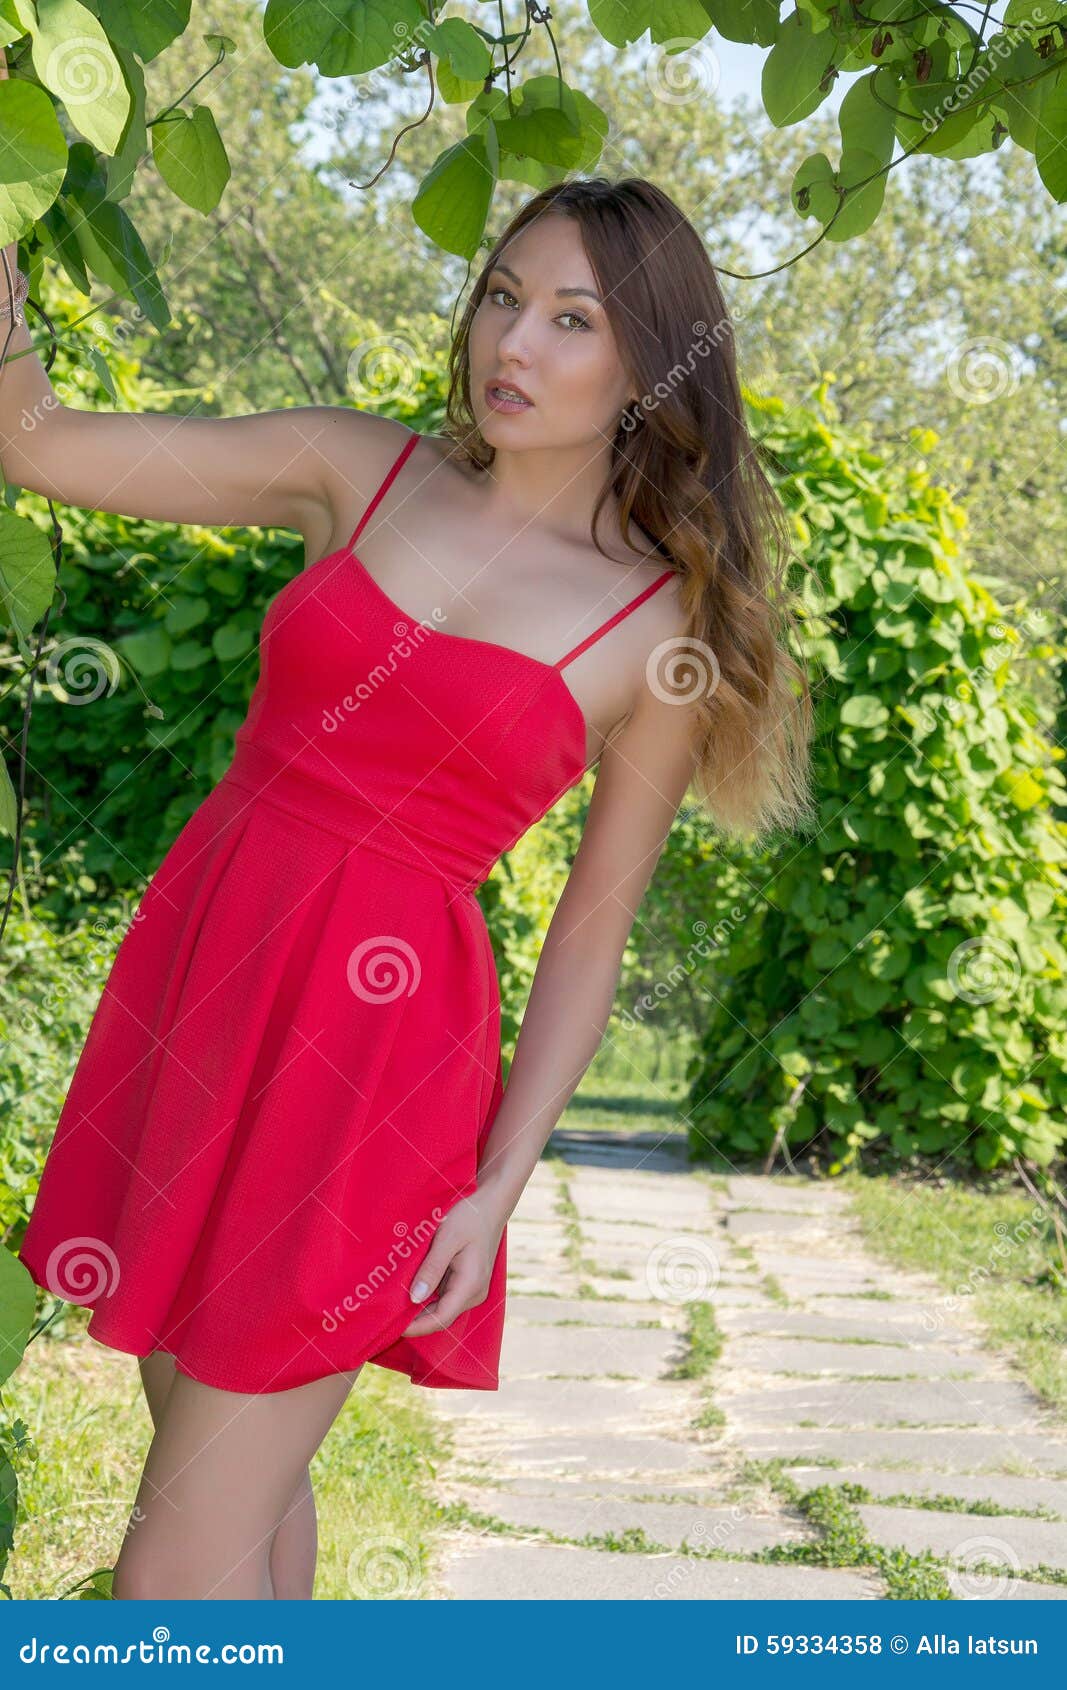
{"type": "Point", "coordinates": [993, 1261]}
{"type": "Point", "coordinates": [84, 1407]}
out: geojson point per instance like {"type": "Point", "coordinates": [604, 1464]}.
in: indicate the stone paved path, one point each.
{"type": "Point", "coordinates": [623, 1457]}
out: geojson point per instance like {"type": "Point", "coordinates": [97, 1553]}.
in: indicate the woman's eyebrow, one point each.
{"type": "Point", "coordinates": [561, 292]}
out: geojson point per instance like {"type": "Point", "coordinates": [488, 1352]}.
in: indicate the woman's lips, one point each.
{"type": "Point", "coordinates": [499, 403]}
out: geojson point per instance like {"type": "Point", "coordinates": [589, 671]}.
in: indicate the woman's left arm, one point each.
{"type": "Point", "coordinates": [643, 776]}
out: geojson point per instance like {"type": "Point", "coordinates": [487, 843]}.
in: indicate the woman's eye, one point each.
{"type": "Point", "coordinates": [582, 322]}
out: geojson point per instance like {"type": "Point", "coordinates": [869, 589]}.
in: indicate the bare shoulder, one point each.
{"type": "Point", "coordinates": [356, 449]}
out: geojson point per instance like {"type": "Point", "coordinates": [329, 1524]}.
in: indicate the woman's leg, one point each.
{"type": "Point", "coordinates": [294, 1546]}
{"type": "Point", "coordinates": [222, 1471]}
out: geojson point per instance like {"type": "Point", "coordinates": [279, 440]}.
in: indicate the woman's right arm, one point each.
{"type": "Point", "coordinates": [287, 468]}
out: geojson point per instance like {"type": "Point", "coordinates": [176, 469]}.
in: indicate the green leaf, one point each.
{"type": "Point", "coordinates": [18, 1302]}
{"type": "Point", "coordinates": [58, 239]}
{"type": "Point", "coordinates": [133, 143]}
{"type": "Point", "coordinates": [861, 206]}
{"type": "Point", "coordinates": [1050, 152]}
{"type": "Point", "coordinates": [188, 150]}
{"type": "Point", "coordinates": [553, 125]}
{"type": "Point", "coordinates": [148, 651]}
{"type": "Point", "coordinates": [231, 642]}
{"type": "Point", "coordinates": [621, 21]}
{"type": "Point", "coordinates": [73, 57]}
{"type": "Point", "coordinates": [457, 41]}
{"type": "Point", "coordinates": [27, 573]}
{"type": "Point", "coordinates": [452, 202]}
{"type": "Point", "coordinates": [341, 37]}
{"type": "Point", "coordinates": [147, 29]}
{"type": "Point", "coordinates": [33, 157]}
{"type": "Point", "coordinates": [865, 123]}
{"type": "Point", "coordinates": [452, 89]}
{"type": "Point", "coordinates": [795, 79]}
{"type": "Point", "coordinates": [755, 21]}
{"type": "Point", "coordinates": [114, 251]}
{"type": "Point", "coordinates": [186, 613]}
{"type": "Point", "coordinates": [812, 190]}
{"type": "Point", "coordinates": [864, 710]}
{"type": "Point", "coordinates": [8, 803]}
{"type": "Point", "coordinates": [102, 369]}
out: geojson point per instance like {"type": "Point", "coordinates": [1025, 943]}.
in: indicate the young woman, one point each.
{"type": "Point", "coordinates": [286, 1150]}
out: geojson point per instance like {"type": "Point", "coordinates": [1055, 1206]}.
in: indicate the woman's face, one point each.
{"type": "Point", "coordinates": [533, 332]}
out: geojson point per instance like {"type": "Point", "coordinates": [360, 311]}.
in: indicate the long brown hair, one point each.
{"type": "Point", "coordinates": [686, 470]}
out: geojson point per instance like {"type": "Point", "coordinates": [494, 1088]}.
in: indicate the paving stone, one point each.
{"type": "Point", "coordinates": [948, 1449]}
{"type": "Point", "coordinates": [964, 1586]}
{"type": "Point", "coordinates": [580, 1350]}
{"type": "Point", "coordinates": [708, 1490]}
{"type": "Point", "coordinates": [830, 1270]}
{"type": "Point", "coordinates": [1009, 1543]}
{"type": "Point", "coordinates": [807, 1288]}
{"type": "Point", "coordinates": [923, 1410]}
{"type": "Point", "coordinates": [529, 1284]}
{"type": "Point", "coordinates": [761, 1223]}
{"type": "Point", "coordinates": [894, 1309]}
{"type": "Point", "coordinates": [674, 1524]}
{"type": "Point", "coordinates": [647, 1235]}
{"type": "Point", "coordinates": [625, 1454]}
{"type": "Point", "coordinates": [1005, 1490]}
{"type": "Point", "coordinates": [640, 1153]}
{"type": "Point", "coordinates": [597, 1311]}
{"type": "Point", "coordinates": [537, 1203]}
{"type": "Point", "coordinates": [740, 1297]}
{"type": "Point", "coordinates": [798, 1323]}
{"type": "Point", "coordinates": [868, 1403]}
{"type": "Point", "coordinates": [508, 1571]}
{"type": "Point", "coordinates": [578, 1404]}
{"type": "Point", "coordinates": [768, 1192]}
{"type": "Point", "coordinates": [640, 1260]}
{"type": "Point", "coordinates": [796, 1355]}
{"type": "Point", "coordinates": [527, 1258]}
{"type": "Point", "coordinates": [664, 1202]}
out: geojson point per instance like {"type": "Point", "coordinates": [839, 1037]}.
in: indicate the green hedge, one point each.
{"type": "Point", "coordinates": [897, 982]}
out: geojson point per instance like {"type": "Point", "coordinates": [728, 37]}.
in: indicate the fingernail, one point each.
{"type": "Point", "coordinates": [419, 1289]}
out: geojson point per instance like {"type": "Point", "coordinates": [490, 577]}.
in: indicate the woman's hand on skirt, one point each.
{"type": "Point", "coordinates": [458, 1265]}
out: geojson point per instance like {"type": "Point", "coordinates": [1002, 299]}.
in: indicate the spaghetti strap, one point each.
{"type": "Point", "coordinates": [618, 616]}
{"type": "Point", "coordinates": [398, 462]}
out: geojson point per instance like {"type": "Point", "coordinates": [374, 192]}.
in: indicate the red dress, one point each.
{"type": "Point", "coordinates": [295, 1061]}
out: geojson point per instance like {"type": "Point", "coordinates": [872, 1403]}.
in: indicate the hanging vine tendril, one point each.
{"type": "Point", "coordinates": [30, 673]}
